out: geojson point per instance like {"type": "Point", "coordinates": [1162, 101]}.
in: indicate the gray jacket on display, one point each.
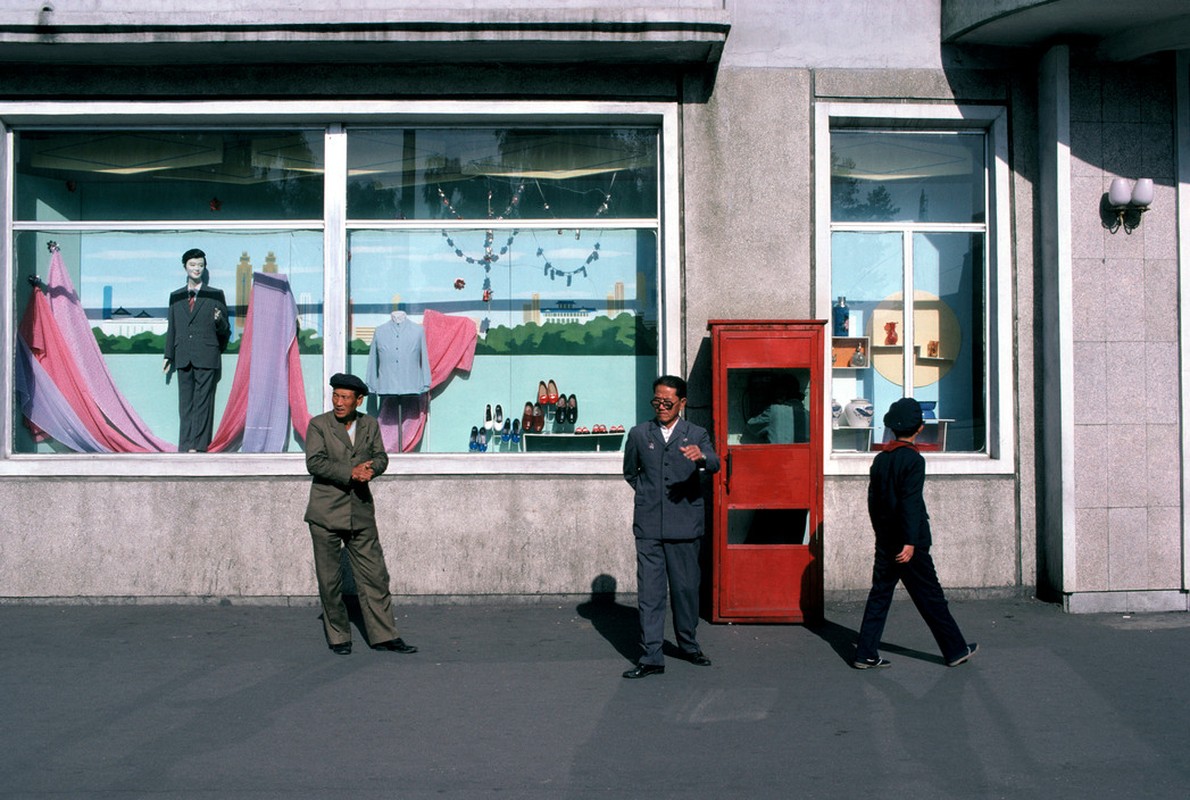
{"type": "Point", "coordinates": [398, 362]}
{"type": "Point", "coordinates": [668, 502]}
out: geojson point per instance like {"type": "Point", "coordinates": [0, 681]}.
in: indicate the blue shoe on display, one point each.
{"type": "Point", "coordinates": [516, 431]}
{"type": "Point", "coordinates": [474, 438]}
{"type": "Point", "coordinates": [483, 442]}
{"type": "Point", "coordinates": [506, 431]}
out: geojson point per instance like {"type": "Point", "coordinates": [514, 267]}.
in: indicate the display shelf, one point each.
{"type": "Point", "coordinates": [573, 442]}
{"type": "Point", "coordinates": [850, 439]}
{"type": "Point", "coordinates": [843, 350]}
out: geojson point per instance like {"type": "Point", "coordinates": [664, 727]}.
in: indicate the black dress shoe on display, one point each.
{"type": "Point", "coordinates": [644, 671]}
{"type": "Point", "coordinates": [395, 646]}
{"type": "Point", "coordinates": [698, 659]}
{"type": "Point", "coordinates": [572, 409]}
{"type": "Point", "coordinates": [341, 649]}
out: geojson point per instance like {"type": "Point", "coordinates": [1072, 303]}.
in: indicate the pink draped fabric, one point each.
{"type": "Point", "coordinates": [450, 342]}
{"type": "Point", "coordinates": [50, 348]}
{"type": "Point", "coordinates": [235, 415]}
{"type": "Point", "coordinates": [76, 330]}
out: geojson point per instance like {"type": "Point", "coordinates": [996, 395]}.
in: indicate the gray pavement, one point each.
{"type": "Point", "coordinates": [527, 702]}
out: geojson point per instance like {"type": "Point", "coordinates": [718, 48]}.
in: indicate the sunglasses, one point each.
{"type": "Point", "coordinates": [666, 404]}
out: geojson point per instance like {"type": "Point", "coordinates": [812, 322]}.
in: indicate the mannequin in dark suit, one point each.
{"type": "Point", "coordinates": [664, 459]}
{"type": "Point", "coordinates": [194, 343]}
{"type": "Point", "coordinates": [344, 452]}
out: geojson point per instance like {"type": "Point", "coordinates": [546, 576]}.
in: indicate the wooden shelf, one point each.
{"type": "Point", "coordinates": [843, 348]}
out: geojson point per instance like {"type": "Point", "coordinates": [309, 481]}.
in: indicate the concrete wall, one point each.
{"type": "Point", "coordinates": [175, 539]}
{"type": "Point", "coordinates": [1126, 415]}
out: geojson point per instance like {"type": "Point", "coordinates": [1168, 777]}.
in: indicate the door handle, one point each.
{"type": "Point", "coordinates": [727, 481]}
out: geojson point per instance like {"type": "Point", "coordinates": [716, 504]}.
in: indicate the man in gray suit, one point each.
{"type": "Point", "coordinates": [344, 452]}
{"type": "Point", "coordinates": [664, 459]}
{"type": "Point", "coordinates": [194, 343]}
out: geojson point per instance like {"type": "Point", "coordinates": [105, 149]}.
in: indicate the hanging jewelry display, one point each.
{"type": "Point", "coordinates": [490, 255]}
{"type": "Point", "coordinates": [548, 268]}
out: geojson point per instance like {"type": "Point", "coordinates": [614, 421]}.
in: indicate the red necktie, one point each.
{"type": "Point", "coordinates": [192, 301]}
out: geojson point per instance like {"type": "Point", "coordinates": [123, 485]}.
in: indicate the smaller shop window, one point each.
{"type": "Point", "coordinates": [908, 286]}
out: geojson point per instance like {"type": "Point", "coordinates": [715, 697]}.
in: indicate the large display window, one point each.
{"type": "Point", "coordinates": [907, 245]}
{"type": "Point", "coordinates": [914, 293]}
{"type": "Point", "coordinates": [497, 287]}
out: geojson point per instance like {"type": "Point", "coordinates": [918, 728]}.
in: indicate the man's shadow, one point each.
{"type": "Point", "coordinates": [842, 640]}
{"type": "Point", "coordinates": [617, 623]}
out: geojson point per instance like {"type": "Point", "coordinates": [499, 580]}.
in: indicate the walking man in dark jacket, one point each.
{"type": "Point", "coordinates": [898, 512]}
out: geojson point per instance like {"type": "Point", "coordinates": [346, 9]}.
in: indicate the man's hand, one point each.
{"type": "Point", "coordinates": [165, 367]}
{"type": "Point", "coordinates": [692, 452]}
{"type": "Point", "coordinates": [905, 554]}
{"type": "Point", "coordinates": [362, 472]}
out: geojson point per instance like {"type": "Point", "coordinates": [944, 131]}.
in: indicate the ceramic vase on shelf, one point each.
{"type": "Point", "coordinates": [841, 317]}
{"type": "Point", "coordinates": [858, 413]}
{"type": "Point", "coordinates": [927, 408]}
{"type": "Point", "coordinates": [836, 412]}
{"type": "Point", "coordinates": [890, 333]}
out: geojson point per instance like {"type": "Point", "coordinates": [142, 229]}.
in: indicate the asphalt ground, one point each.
{"type": "Point", "coordinates": [526, 701]}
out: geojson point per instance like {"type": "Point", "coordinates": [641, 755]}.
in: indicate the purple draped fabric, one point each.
{"type": "Point", "coordinates": [274, 320]}
{"type": "Point", "coordinates": [44, 406]}
{"type": "Point", "coordinates": [76, 329]}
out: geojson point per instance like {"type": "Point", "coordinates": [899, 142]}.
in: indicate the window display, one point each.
{"type": "Point", "coordinates": [500, 292]}
{"type": "Point", "coordinates": [908, 239]}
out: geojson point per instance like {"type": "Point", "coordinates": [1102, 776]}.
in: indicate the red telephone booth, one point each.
{"type": "Point", "coordinates": [768, 424]}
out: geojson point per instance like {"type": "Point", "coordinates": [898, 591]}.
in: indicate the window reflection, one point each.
{"type": "Point", "coordinates": [768, 406]}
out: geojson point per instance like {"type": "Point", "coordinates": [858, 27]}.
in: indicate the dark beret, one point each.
{"type": "Point", "coordinates": [343, 380]}
{"type": "Point", "coordinates": [903, 415]}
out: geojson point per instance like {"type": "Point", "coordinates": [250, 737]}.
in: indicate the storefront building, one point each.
{"type": "Point", "coordinates": [510, 221]}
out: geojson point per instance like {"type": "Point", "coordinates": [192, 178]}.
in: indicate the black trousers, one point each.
{"type": "Point", "coordinates": [921, 581]}
{"type": "Point", "coordinates": [660, 563]}
{"type": "Point", "coordinates": [196, 407]}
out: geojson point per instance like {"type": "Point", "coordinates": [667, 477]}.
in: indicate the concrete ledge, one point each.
{"type": "Point", "coordinates": [1142, 601]}
{"type": "Point", "coordinates": [311, 601]}
{"type": "Point", "coordinates": [440, 35]}
{"type": "Point", "coordinates": [962, 593]}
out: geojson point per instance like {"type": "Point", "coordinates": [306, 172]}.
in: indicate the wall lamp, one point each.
{"type": "Point", "coordinates": [1124, 204]}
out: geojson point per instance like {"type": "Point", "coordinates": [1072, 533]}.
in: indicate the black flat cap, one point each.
{"type": "Point", "coordinates": [344, 380]}
{"type": "Point", "coordinates": [903, 415]}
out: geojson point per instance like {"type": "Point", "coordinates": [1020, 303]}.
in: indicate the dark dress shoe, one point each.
{"type": "Point", "coordinates": [698, 659]}
{"type": "Point", "coordinates": [645, 670]}
{"type": "Point", "coordinates": [341, 649]}
{"type": "Point", "coordinates": [395, 646]}
{"type": "Point", "coordinates": [572, 409]}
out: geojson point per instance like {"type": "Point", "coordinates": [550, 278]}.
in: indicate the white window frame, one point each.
{"type": "Point", "coordinates": [255, 114]}
{"type": "Point", "coordinates": [1000, 457]}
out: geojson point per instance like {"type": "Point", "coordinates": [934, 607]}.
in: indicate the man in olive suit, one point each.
{"type": "Point", "coordinates": [344, 452]}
